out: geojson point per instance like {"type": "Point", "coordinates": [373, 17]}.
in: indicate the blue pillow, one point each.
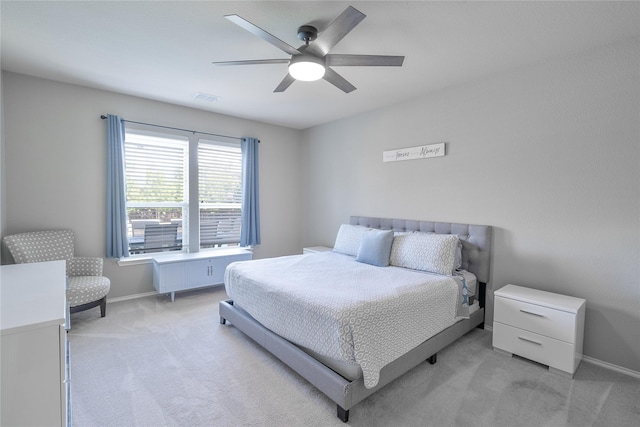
{"type": "Point", "coordinates": [375, 247]}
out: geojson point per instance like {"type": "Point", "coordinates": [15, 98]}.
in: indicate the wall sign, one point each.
{"type": "Point", "coordinates": [422, 152]}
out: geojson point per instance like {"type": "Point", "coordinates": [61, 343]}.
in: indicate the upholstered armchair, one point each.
{"type": "Point", "coordinates": [86, 287]}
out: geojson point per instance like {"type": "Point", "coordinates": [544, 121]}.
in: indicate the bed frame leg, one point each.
{"type": "Point", "coordinates": [433, 359]}
{"type": "Point", "coordinates": [222, 320]}
{"type": "Point", "coordinates": [343, 414]}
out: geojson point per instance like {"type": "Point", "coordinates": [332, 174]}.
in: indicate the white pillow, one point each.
{"type": "Point", "coordinates": [435, 253]}
{"type": "Point", "coordinates": [348, 239]}
{"type": "Point", "coordinates": [458, 262]}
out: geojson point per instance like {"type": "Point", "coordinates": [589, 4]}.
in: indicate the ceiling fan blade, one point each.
{"type": "Point", "coordinates": [285, 83]}
{"type": "Point", "coordinates": [338, 81]}
{"type": "Point", "coordinates": [364, 60]}
{"type": "Point", "coordinates": [253, 62]}
{"type": "Point", "coordinates": [238, 20]}
{"type": "Point", "coordinates": [340, 27]}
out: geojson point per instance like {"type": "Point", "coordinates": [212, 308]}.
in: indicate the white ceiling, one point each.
{"type": "Point", "coordinates": [163, 50]}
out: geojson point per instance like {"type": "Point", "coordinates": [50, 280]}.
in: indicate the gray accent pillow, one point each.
{"type": "Point", "coordinates": [375, 247]}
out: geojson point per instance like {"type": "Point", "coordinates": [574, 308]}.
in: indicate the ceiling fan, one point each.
{"type": "Point", "coordinates": [312, 60]}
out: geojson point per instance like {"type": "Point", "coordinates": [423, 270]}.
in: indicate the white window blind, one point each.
{"type": "Point", "coordinates": [156, 171]}
{"type": "Point", "coordinates": [220, 193]}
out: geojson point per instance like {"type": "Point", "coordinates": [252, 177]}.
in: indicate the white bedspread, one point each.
{"type": "Point", "coordinates": [344, 309]}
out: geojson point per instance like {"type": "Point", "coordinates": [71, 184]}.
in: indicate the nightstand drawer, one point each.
{"type": "Point", "coordinates": [548, 351]}
{"type": "Point", "coordinates": [535, 318]}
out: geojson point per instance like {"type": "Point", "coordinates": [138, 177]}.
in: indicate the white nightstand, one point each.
{"type": "Point", "coordinates": [315, 249]}
{"type": "Point", "coordinates": [542, 326]}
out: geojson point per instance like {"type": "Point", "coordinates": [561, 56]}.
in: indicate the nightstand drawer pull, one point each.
{"type": "Point", "coordinates": [531, 313]}
{"type": "Point", "coordinates": [531, 341]}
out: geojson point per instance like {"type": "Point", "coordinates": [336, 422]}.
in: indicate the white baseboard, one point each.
{"type": "Point", "coordinates": [152, 293]}
{"type": "Point", "coordinates": [134, 296]}
{"type": "Point", "coordinates": [611, 366]}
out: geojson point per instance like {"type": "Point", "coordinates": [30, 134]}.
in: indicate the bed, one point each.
{"type": "Point", "coordinates": [349, 363]}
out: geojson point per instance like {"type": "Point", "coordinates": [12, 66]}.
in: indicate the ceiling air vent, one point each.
{"type": "Point", "coordinates": [206, 97]}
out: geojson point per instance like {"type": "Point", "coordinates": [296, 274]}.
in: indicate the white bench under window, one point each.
{"type": "Point", "coordinates": [182, 271]}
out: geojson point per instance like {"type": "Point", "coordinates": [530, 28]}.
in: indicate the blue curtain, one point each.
{"type": "Point", "coordinates": [250, 234]}
{"type": "Point", "coordinates": [117, 242]}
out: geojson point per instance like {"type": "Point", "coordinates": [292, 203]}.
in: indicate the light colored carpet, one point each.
{"type": "Point", "coordinates": [151, 362]}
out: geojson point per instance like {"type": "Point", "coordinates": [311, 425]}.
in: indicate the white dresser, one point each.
{"type": "Point", "coordinates": [542, 326]}
{"type": "Point", "coordinates": [34, 344]}
{"type": "Point", "coordinates": [180, 272]}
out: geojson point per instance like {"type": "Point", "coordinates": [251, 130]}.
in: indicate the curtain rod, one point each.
{"type": "Point", "coordinates": [103, 117]}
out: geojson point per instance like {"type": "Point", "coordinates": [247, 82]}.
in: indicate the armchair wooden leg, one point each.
{"type": "Point", "coordinates": [103, 307]}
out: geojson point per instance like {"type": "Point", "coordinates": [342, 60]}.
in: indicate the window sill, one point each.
{"type": "Point", "coordinates": [123, 262]}
{"type": "Point", "coordinates": [148, 259]}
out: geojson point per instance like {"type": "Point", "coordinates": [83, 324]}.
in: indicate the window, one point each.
{"type": "Point", "coordinates": [220, 193]}
{"type": "Point", "coordinates": [161, 175]}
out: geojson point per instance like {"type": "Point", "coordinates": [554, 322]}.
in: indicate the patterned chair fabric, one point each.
{"type": "Point", "coordinates": [87, 287]}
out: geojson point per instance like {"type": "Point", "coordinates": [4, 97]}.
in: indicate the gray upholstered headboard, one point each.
{"type": "Point", "coordinates": [476, 239]}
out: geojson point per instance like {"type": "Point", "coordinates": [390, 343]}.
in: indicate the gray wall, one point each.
{"type": "Point", "coordinates": [55, 167]}
{"type": "Point", "coordinates": [548, 155]}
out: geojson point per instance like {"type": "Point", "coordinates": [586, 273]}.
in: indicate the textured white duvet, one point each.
{"type": "Point", "coordinates": [344, 309]}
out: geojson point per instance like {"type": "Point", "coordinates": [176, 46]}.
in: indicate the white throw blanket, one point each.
{"type": "Point", "coordinates": [340, 308]}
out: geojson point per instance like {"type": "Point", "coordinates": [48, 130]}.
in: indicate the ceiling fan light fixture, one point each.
{"type": "Point", "coordinates": [307, 68]}
{"type": "Point", "coordinates": [309, 62]}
